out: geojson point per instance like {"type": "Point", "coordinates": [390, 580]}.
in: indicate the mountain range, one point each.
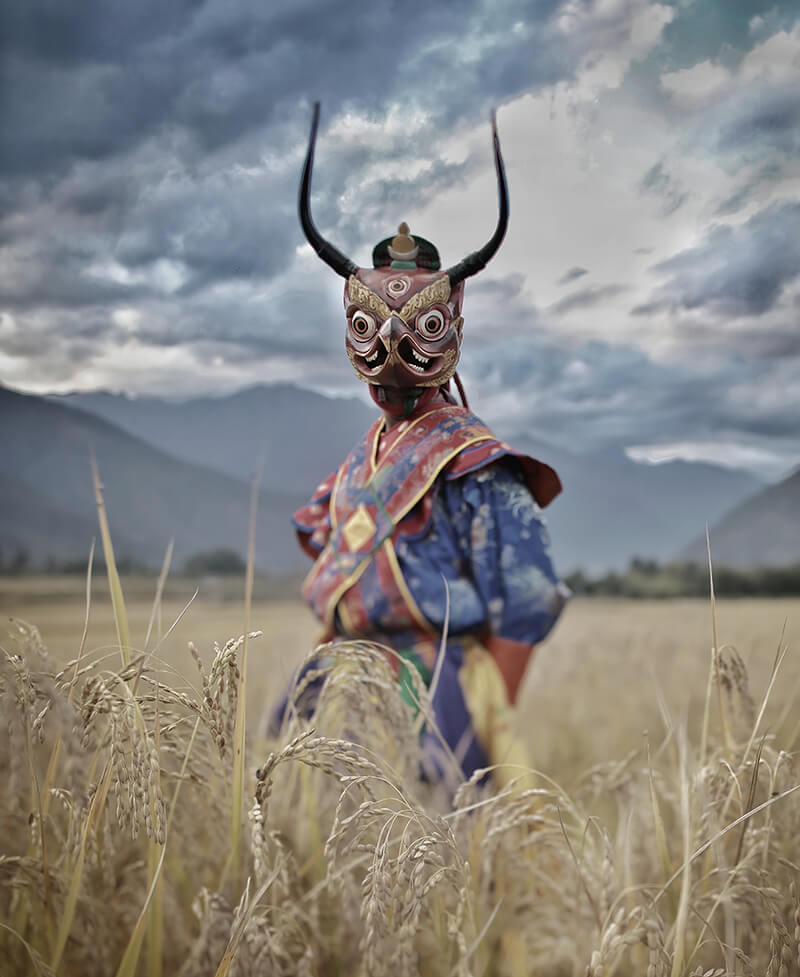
{"type": "Point", "coordinates": [612, 508]}
{"type": "Point", "coordinates": [182, 470]}
{"type": "Point", "coordinates": [300, 436]}
{"type": "Point", "coordinates": [47, 506]}
{"type": "Point", "coordinates": [762, 531]}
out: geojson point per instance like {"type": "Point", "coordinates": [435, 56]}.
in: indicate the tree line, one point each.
{"type": "Point", "coordinates": [650, 579]}
{"type": "Point", "coordinates": [220, 562]}
{"type": "Point", "coordinates": [641, 580]}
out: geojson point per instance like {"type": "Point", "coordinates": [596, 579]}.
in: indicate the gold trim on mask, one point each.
{"type": "Point", "coordinates": [360, 294]}
{"type": "Point", "coordinates": [438, 291]}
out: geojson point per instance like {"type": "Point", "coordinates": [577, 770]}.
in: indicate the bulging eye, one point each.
{"type": "Point", "coordinates": [431, 324]}
{"type": "Point", "coordinates": [363, 325]}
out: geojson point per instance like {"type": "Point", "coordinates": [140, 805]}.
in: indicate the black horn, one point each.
{"type": "Point", "coordinates": [332, 256]}
{"type": "Point", "coordinates": [474, 262]}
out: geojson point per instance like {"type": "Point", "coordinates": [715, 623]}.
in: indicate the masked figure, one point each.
{"type": "Point", "coordinates": [430, 513]}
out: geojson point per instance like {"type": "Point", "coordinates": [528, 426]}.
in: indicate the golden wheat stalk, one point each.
{"type": "Point", "coordinates": [240, 728]}
{"type": "Point", "coordinates": [117, 599]}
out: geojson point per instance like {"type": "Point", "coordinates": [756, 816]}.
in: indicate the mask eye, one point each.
{"type": "Point", "coordinates": [396, 287]}
{"type": "Point", "coordinates": [363, 325]}
{"type": "Point", "coordinates": [431, 324]}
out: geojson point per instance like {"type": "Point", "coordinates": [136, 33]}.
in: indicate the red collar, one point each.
{"type": "Point", "coordinates": [430, 397]}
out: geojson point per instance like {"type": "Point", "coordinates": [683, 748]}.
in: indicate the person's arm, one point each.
{"type": "Point", "coordinates": [510, 566]}
{"type": "Point", "coordinates": [304, 539]}
{"type": "Point", "coordinates": [312, 523]}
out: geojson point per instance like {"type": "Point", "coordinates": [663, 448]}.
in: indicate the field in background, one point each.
{"type": "Point", "coordinates": [144, 834]}
{"type": "Point", "coordinates": [590, 694]}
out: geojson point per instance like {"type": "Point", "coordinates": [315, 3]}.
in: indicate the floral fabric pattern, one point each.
{"type": "Point", "coordinates": [488, 539]}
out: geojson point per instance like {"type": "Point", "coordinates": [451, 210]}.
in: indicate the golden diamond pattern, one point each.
{"type": "Point", "coordinates": [359, 528]}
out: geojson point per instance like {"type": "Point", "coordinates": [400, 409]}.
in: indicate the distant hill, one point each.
{"type": "Point", "coordinates": [611, 510]}
{"type": "Point", "coordinates": [47, 501]}
{"type": "Point", "coordinates": [764, 530]}
{"type": "Point", "coordinates": [34, 527]}
{"type": "Point", "coordinates": [302, 436]}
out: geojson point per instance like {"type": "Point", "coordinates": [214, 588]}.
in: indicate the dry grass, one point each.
{"type": "Point", "coordinates": [660, 855]}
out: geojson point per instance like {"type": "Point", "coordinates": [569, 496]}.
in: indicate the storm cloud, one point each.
{"type": "Point", "coordinates": [584, 398]}
{"type": "Point", "coordinates": [741, 270]}
{"type": "Point", "coordinates": [585, 298]}
{"type": "Point", "coordinates": [571, 274]}
{"type": "Point", "coordinates": [94, 80]}
{"type": "Point", "coordinates": [149, 238]}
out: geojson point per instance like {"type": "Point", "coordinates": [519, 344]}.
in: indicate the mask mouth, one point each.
{"type": "Point", "coordinates": [400, 402]}
{"type": "Point", "coordinates": [414, 360]}
{"type": "Point", "coordinates": [376, 359]}
{"type": "Point", "coordinates": [405, 353]}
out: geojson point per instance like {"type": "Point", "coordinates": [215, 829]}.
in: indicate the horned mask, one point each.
{"type": "Point", "coordinates": [404, 320]}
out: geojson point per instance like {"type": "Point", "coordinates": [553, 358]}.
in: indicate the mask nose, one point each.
{"type": "Point", "coordinates": [391, 331]}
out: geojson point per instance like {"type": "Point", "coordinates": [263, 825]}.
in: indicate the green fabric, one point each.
{"type": "Point", "coordinates": [409, 403]}
{"type": "Point", "coordinates": [411, 660]}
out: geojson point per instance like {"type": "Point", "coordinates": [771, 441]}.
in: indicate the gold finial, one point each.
{"type": "Point", "coordinates": [403, 246]}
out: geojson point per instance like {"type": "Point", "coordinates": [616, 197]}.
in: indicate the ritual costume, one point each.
{"type": "Point", "coordinates": [431, 520]}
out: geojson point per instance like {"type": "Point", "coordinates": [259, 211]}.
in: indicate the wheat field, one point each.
{"type": "Point", "coordinates": [149, 828]}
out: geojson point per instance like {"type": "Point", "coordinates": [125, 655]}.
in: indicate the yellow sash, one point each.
{"type": "Point", "coordinates": [493, 716]}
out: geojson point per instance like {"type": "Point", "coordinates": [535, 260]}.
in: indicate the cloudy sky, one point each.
{"type": "Point", "coordinates": [647, 294]}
